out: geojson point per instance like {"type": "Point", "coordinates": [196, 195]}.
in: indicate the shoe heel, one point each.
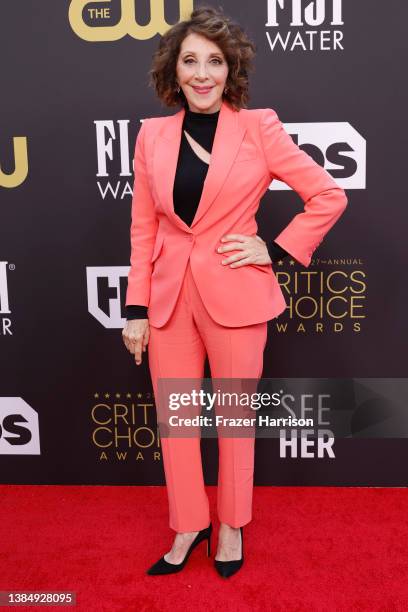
{"type": "Point", "coordinates": [209, 546]}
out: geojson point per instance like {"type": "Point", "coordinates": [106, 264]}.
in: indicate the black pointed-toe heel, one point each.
{"type": "Point", "coordinates": [227, 568]}
{"type": "Point", "coordinates": [164, 567]}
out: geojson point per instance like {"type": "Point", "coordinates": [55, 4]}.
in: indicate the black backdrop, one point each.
{"type": "Point", "coordinates": [74, 89]}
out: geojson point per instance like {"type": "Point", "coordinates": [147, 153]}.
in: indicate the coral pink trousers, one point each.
{"type": "Point", "coordinates": [178, 350]}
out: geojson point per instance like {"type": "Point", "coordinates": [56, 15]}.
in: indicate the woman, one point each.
{"type": "Point", "coordinates": [196, 257]}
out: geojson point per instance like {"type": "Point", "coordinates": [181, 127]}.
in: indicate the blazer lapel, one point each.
{"type": "Point", "coordinates": [227, 140]}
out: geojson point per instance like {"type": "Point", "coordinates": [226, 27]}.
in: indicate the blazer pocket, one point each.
{"type": "Point", "coordinates": [262, 268]}
{"type": "Point", "coordinates": [157, 247]}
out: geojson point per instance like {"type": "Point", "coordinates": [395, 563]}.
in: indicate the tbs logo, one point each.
{"type": "Point", "coordinates": [337, 146]}
{"type": "Point", "coordinates": [19, 431]}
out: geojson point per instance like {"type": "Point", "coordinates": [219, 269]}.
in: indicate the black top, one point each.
{"type": "Point", "coordinates": [189, 180]}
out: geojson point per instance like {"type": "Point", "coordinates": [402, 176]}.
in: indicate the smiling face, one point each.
{"type": "Point", "coordinates": [202, 72]}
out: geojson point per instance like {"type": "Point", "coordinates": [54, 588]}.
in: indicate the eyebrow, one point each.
{"type": "Point", "coordinates": [193, 53]}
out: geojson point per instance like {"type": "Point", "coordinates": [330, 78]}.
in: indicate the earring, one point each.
{"type": "Point", "coordinates": [225, 89]}
{"type": "Point", "coordinates": [178, 89]}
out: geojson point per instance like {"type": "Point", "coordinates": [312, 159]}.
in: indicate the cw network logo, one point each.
{"type": "Point", "coordinates": [336, 146]}
{"type": "Point", "coordinates": [18, 176]}
{"type": "Point", "coordinates": [102, 23]}
{"type": "Point", "coordinates": [19, 429]}
{"type": "Point", "coordinates": [104, 294]}
{"type": "Point", "coordinates": [310, 17]}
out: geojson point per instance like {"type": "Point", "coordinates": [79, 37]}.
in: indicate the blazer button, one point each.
{"type": "Point", "coordinates": [190, 237]}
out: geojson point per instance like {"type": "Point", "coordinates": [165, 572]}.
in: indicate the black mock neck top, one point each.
{"type": "Point", "coordinates": [191, 170]}
{"type": "Point", "coordinates": [189, 180]}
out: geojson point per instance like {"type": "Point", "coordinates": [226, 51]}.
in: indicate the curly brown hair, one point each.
{"type": "Point", "coordinates": [230, 37]}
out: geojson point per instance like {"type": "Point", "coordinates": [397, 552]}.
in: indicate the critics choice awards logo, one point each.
{"type": "Point", "coordinates": [123, 427]}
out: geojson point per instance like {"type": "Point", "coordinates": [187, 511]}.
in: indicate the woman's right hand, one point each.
{"type": "Point", "coordinates": [135, 335]}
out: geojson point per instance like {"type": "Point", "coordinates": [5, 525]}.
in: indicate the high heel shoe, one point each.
{"type": "Point", "coordinates": [227, 568]}
{"type": "Point", "coordinates": [164, 567]}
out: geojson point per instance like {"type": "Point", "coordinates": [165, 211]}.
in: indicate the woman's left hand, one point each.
{"type": "Point", "coordinates": [253, 250]}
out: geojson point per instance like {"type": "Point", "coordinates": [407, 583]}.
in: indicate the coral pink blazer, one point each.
{"type": "Point", "coordinates": [250, 149]}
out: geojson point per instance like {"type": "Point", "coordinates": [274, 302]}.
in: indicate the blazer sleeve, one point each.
{"type": "Point", "coordinates": [324, 200]}
{"type": "Point", "coordinates": [143, 229]}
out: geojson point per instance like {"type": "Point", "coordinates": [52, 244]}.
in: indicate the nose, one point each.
{"type": "Point", "coordinates": [201, 71]}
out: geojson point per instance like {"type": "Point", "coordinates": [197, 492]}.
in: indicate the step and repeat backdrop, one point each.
{"type": "Point", "coordinates": [74, 407]}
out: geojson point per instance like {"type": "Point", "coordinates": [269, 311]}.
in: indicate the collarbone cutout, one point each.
{"type": "Point", "coordinates": [202, 153]}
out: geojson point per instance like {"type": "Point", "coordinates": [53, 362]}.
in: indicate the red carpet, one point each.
{"type": "Point", "coordinates": [307, 549]}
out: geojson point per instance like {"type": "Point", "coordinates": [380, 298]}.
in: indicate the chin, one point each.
{"type": "Point", "coordinates": [205, 104]}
